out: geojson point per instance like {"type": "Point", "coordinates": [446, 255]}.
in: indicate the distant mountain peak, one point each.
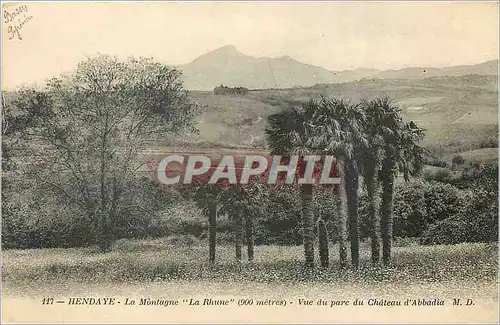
{"type": "Point", "coordinates": [226, 49]}
{"type": "Point", "coordinates": [226, 65]}
{"type": "Point", "coordinates": [222, 54]}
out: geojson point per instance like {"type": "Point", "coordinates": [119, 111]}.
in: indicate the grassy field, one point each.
{"type": "Point", "coordinates": [159, 260]}
{"type": "Point", "coordinates": [158, 269]}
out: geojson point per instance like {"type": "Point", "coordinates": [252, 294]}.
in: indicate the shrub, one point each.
{"type": "Point", "coordinates": [439, 174]}
{"type": "Point", "coordinates": [476, 222]}
{"type": "Point", "coordinates": [418, 204]}
{"type": "Point", "coordinates": [476, 176]}
{"type": "Point", "coordinates": [490, 143]}
{"type": "Point", "coordinates": [441, 201]}
{"type": "Point", "coordinates": [225, 237]}
{"type": "Point", "coordinates": [448, 231]}
{"type": "Point", "coordinates": [457, 160]}
{"type": "Point", "coordinates": [409, 210]}
{"type": "Point", "coordinates": [280, 223]}
{"type": "Point", "coordinates": [434, 161]}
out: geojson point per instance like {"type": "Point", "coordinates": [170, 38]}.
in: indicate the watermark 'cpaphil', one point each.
{"type": "Point", "coordinates": [215, 168]}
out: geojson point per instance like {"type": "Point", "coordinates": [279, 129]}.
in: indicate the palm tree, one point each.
{"type": "Point", "coordinates": [342, 216]}
{"type": "Point", "coordinates": [351, 172]}
{"type": "Point", "coordinates": [238, 234]}
{"type": "Point", "coordinates": [206, 197]}
{"type": "Point", "coordinates": [249, 236]}
{"type": "Point", "coordinates": [256, 195]}
{"type": "Point", "coordinates": [402, 153]}
{"type": "Point", "coordinates": [338, 130]}
{"type": "Point", "coordinates": [324, 209]}
{"type": "Point", "coordinates": [289, 134]}
{"type": "Point", "coordinates": [382, 121]}
{"type": "Point", "coordinates": [243, 202]}
{"type": "Point", "coordinates": [212, 229]}
{"type": "Point", "coordinates": [323, 243]}
{"type": "Point", "coordinates": [233, 203]}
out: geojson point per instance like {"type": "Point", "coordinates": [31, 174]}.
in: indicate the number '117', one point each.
{"type": "Point", "coordinates": [47, 301]}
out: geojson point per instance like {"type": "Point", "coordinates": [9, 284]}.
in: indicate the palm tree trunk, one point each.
{"type": "Point", "coordinates": [387, 180]}
{"type": "Point", "coordinates": [323, 243]}
{"type": "Point", "coordinates": [249, 234]}
{"type": "Point", "coordinates": [306, 196]}
{"type": "Point", "coordinates": [342, 217]}
{"type": "Point", "coordinates": [351, 188]}
{"type": "Point", "coordinates": [238, 235]}
{"type": "Point", "coordinates": [212, 230]}
{"type": "Point", "coordinates": [370, 181]}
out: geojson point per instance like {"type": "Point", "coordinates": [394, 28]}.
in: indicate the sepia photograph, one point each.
{"type": "Point", "coordinates": [266, 162]}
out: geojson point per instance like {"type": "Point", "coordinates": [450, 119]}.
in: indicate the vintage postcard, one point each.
{"type": "Point", "coordinates": [250, 162]}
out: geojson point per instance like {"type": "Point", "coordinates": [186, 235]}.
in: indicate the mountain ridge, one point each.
{"type": "Point", "coordinates": [228, 66]}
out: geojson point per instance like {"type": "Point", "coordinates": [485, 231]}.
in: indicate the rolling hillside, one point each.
{"type": "Point", "coordinates": [458, 113]}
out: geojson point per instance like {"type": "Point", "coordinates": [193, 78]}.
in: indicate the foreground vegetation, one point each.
{"type": "Point", "coordinates": [167, 260]}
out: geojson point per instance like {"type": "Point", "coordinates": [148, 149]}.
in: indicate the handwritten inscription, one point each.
{"type": "Point", "coordinates": [16, 19]}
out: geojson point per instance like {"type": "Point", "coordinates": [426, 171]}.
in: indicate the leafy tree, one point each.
{"type": "Point", "coordinates": [91, 126]}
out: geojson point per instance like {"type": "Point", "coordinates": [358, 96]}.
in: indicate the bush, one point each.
{"type": "Point", "coordinates": [54, 229]}
{"type": "Point", "coordinates": [448, 231]}
{"type": "Point", "coordinates": [475, 176]}
{"type": "Point", "coordinates": [441, 201]}
{"type": "Point", "coordinates": [225, 237]}
{"type": "Point", "coordinates": [409, 210]}
{"type": "Point", "coordinates": [35, 217]}
{"type": "Point", "coordinates": [418, 204]}
{"type": "Point", "coordinates": [438, 174]}
{"type": "Point", "coordinates": [280, 224]}
{"type": "Point", "coordinates": [476, 222]}
{"type": "Point", "coordinates": [457, 160]}
{"type": "Point", "coordinates": [436, 162]}
{"type": "Point", "coordinates": [491, 143]}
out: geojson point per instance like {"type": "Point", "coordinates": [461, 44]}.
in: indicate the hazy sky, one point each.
{"type": "Point", "coordinates": [334, 35]}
